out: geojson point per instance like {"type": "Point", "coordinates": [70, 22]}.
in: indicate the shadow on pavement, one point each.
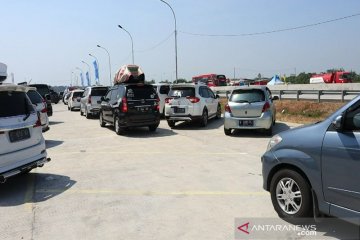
{"type": "Point", "coordinates": [212, 124]}
{"type": "Point", "coordinates": [32, 188]}
{"type": "Point", "coordinates": [143, 132]}
{"type": "Point", "coordinates": [259, 133]}
{"type": "Point", "coordinates": [55, 123]}
{"type": "Point", "coordinates": [52, 143]}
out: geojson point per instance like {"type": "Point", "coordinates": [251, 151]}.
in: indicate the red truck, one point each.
{"type": "Point", "coordinates": [335, 77]}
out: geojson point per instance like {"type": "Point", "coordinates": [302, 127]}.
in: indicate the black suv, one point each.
{"type": "Point", "coordinates": [45, 92]}
{"type": "Point", "coordinates": [130, 105]}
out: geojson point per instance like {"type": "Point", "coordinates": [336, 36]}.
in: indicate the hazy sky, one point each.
{"type": "Point", "coordinates": [45, 40]}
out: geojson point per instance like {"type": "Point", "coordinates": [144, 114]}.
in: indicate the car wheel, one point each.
{"type": "Point", "coordinates": [171, 123]}
{"type": "Point", "coordinates": [68, 107]}
{"type": "Point", "coordinates": [101, 120]}
{"type": "Point", "coordinates": [218, 112]}
{"type": "Point", "coordinates": [119, 130]}
{"type": "Point", "coordinates": [290, 194]}
{"type": "Point", "coordinates": [81, 112]}
{"type": "Point", "coordinates": [87, 115]}
{"type": "Point", "coordinates": [152, 128]}
{"type": "Point", "coordinates": [227, 131]}
{"type": "Point", "coordinates": [204, 118]}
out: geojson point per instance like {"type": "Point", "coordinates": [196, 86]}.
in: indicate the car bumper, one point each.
{"type": "Point", "coordinates": [188, 118]}
{"type": "Point", "coordinates": [23, 157]}
{"type": "Point", "coordinates": [126, 121]}
{"type": "Point", "coordinates": [263, 122]}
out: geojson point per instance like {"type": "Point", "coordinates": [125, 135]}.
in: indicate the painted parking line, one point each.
{"type": "Point", "coordinates": [151, 193]}
{"type": "Point", "coordinates": [146, 153]}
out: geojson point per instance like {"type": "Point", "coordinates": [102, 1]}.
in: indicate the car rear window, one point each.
{"type": "Point", "coordinates": [42, 89]}
{"type": "Point", "coordinates": [98, 91]}
{"type": "Point", "coordinates": [182, 92]}
{"type": "Point", "coordinates": [14, 104]}
{"type": "Point", "coordinates": [77, 94]}
{"type": "Point", "coordinates": [140, 92]}
{"type": "Point", "coordinates": [164, 89]}
{"type": "Point", "coordinates": [35, 97]}
{"type": "Point", "coordinates": [248, 95]}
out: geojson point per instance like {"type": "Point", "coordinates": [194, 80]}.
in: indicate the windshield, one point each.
{"type": "Point", "coordinates": [248, 95]}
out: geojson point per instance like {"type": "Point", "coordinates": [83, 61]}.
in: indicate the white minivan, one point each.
{"type": "Point", "coordinates": [22, 146]}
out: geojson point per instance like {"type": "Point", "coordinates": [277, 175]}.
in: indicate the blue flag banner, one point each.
{"type": "Point", "coordinates": [88, 79]}
{"type": "Point", "coordinates": [82, 79]}
{"type": "Point", "coordinates": [96, 67]}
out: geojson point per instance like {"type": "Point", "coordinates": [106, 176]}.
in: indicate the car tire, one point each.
{"type": "Point", "coordinates": [68, 107]}
{"type": "Point", "coordinates": [87, 115]}
{"type": "Point", "coordinates": [286, 183]}
{"type": "Point", "coordinates": [218, 112]}
{"type": "Point", "coordinates": [119, 130]}
{"type": "Point", "coordinates": [171, 123]}
{"type": "Point", "coordinates": [101, 120]}
{"type": "Point", "coordinates": [81, 112]}
{"type": "Point", "coordinates": [204, 118]}
{"type": "Point", "coordinates": [152, 128]}
{"type": "Point", "coordinates": [227, 131]}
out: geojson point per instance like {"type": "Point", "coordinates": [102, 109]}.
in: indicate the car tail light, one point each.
{"type": "Point", "coordinates": [168, 100]}
{"type": "Point", "coordinates": [38, 122]}
{"type": "Point", "coordinates": [124, 105]}
{"type": "Point", "coordinates": [193, 99]}
{"type": "Point", "coordinates": [44, 110]}
{"type": "Point", "coordinates": [89, 100]}
{"type": "Point", "coordinates": [227, 108]}
{"type": "Point", "coordinates": [266, 107]}
{"type": "Point", "coordinates": [157, 104]}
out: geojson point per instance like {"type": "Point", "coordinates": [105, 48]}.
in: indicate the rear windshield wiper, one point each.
{"type": "Point", "coordinates": [242, 101]}
{"type": "Point", "coordinates": [27, 110]}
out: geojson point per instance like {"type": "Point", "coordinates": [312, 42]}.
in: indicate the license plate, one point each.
{"type": "Point", "coordinates": [143, 109]}
{"type": "Point", "coordinates": [179, 110]}
{"type": "Point", "coordinates": [246, 123]}
{"type": "Point", "coordinates": [19, 135]}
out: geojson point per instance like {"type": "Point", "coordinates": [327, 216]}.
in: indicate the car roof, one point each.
{"type": "Point", "coordinates": [261, 87]}
{"type": "Point", "coordinates": [14, 88]}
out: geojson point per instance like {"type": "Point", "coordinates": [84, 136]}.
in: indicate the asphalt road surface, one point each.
{"type": "Point", "coordinates": [185, 183]}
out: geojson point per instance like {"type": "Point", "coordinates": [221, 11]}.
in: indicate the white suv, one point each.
{"type": "Point", "coordinates": [191, 102]}
{"type": "Point", "coordinates": [21, 140]}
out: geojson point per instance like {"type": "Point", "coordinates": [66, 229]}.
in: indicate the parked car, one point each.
{"type": "Point", "coordinates": [40, 106]}
{"type": "Point", "coordinates": [21, 140]}
{"type": "Point", "coordinates": [44, 91]}
{"type": "Point", "coordinates": [130, 105]}
{"type": "Point", "coordinates": [162, 91]}
{"type": "Point", "coordinates": [74, 99]}
{"type": "Point", "coordinates": [316, 167]}
{"type": "Point", "coordinates": [191, 102]}
{"type": "Point", "coordinates": [250, 107]}
{"type": "Point", "coordinates": [89, 102]}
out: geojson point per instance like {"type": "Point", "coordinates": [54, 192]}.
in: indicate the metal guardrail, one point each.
{"type": "Point", "coordinates": [282, 93]}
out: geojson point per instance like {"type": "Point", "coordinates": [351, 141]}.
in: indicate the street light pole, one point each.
{"type": "Point", "coordinates": [97, 63]}
{"type": "Point", "coordinates": [132, 42]}
{"type": "Point", "coordinates": [176, 59]}
{"type": "Point", "coordinates": [109, 62]}
{"type": "Point", "coordinates": [89, 70]}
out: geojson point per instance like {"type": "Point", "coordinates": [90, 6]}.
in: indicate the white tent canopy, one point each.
{"type": "Point", "coordinates": [275, 81]}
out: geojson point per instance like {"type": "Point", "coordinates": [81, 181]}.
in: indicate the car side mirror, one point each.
{"type": "Point", "coordinates": [338, 123]}
{"type": "Point", "coordinates": [48, 97]}
{"type": "Point", "coordinates": [275, 98]}
{"type": "Point", "coordinates": [217, 96]}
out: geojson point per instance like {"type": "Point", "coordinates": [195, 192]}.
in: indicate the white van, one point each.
{"type": "Point", "coordinates": [22, 146]}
